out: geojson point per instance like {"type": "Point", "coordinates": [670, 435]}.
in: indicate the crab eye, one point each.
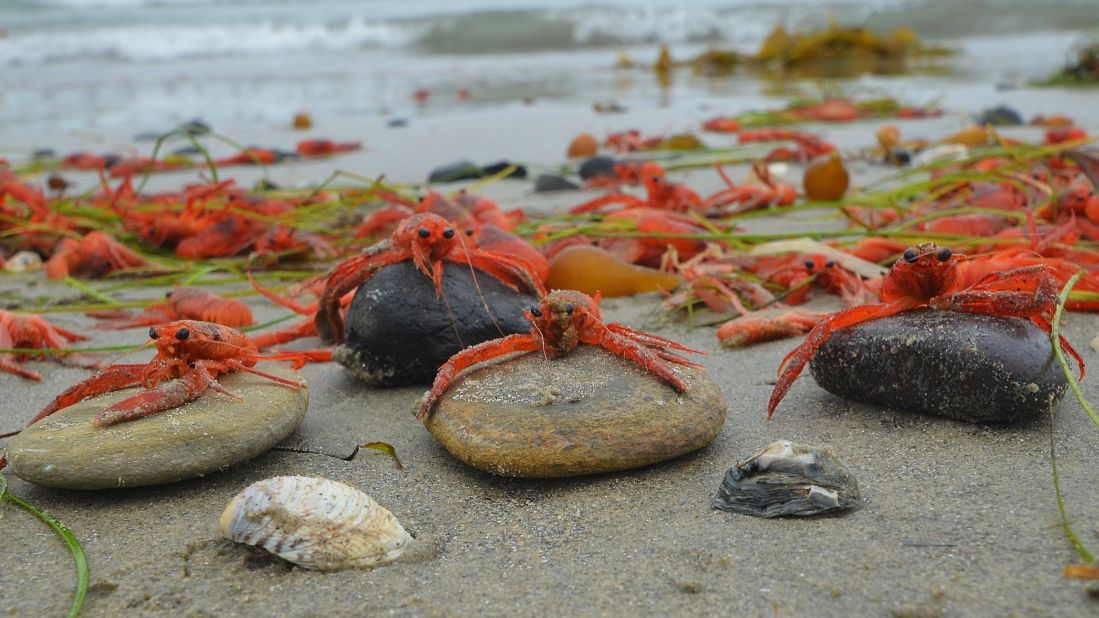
{"type": "Point", "coordinates": [183, 333]}
{"type": "Point", "coordinates": [424, 232]}
{"type": "Point", "coordinates": [152, 333]}
{"type": "Point", "coordinates": [809, 265]}
{"type": "Point", "coordinates": [569, 308]}
{"type": "Point", "coordinates": [469, 231]}
{"type": "Point", "coordinates": [910, 255]}
{"type": "Point", "coordinates": [829, 264]}
{"type": "Point", "coordinates": [448, 233]}
{"type": "Point", "coordinates": [944, 254]}
{"type": "Point", "coordinates": [168, 294]}
{"type": "Point", "coordinates": [535, 311]}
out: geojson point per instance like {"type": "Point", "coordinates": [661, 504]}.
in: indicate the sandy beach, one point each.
{"type": "Point", "coordinates": [957, 519]}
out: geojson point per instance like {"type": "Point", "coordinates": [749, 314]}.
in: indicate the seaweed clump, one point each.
{"type": "Point", "coordinates": [843, 50]}
{"type": "Point", "coordinates": [1082, 71]}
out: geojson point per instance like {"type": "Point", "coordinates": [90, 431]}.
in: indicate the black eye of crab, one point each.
{"type": "Point", "coordinates": [448, 233]}
{"type": "Point", "coordinates": [569, 308]}
{"type": "Point", "coordinates": [910, 255]}
{"type": "Point", "coordinates": [424, 232]}
{"type": "Point", "coordinates": [809, 265]}
{"type": "Point", "coordinates": [944, 254]}
{"type": "Point", "coordinates": [469, 231]}
{"type": "Point", "coordinates": [168, 294]}
{"type": "Point", "coordinates": [535, 311]}
{"type": "Point", "coordinates": [183, 333]}
{"type": "Point", "coordinates": [152, 333]}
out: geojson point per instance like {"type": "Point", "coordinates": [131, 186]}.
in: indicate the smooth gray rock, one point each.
{"type": "Point", "coordinates": [549, 183]}
{"type": "Point", "coordinates": [586, 413]}
{"type": "Point", "coordinates": [212, 433]}
{"type": "Point", "coordinates": [977, 368]}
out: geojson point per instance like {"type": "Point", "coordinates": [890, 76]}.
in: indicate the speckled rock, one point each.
{"type": "Point", "coordinates": [398, 331]}
{"type": "Point", "coordinates": [209, 434]}
{"type": "Point", "coordinates": [977, 368]}
{"type": "Point", "coordinates": [589, 412]}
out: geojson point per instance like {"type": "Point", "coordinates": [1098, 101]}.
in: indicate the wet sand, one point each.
{"type": "Point", "coordinates": [957, 519]}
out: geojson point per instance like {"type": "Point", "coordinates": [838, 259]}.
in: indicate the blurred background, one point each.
{"type": "Point", "coordinates": [127, 66]}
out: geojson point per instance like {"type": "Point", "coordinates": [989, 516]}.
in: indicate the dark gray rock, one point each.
{"type": "Point", "coordinates": [547, 183]}
{"type": "Point", "coordinates": [398, 331]}
{"type": "Point", "coordinates": [1002, 116]}
{"type": "Point", "coordinates": [451, 172]}
{"type": "Point", "coordinates": [787, 479]}
{"type": "Point", "coordinates": [598, 166]}
{"type": "Point", "coordinates": [977, 368]}
{"type": "Point", "coordinates": [517, 170]}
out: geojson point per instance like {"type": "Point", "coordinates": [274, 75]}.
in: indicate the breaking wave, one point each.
{"type": "Point", "coordinates": [50, 31]}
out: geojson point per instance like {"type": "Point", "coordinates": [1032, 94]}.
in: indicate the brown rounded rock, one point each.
{"type": "Point", "coordinates": [583, 145]}
{"type": "Point", "coordinates": [587, 413]}
{"type": "Point", "coordinates": [826, 178]}
{"type": "Point", "coordinates": [212, 433]}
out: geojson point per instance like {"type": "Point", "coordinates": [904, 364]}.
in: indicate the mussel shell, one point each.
{"type": "Point", "coordinates": [787, 479]}
{"type": "Point", "coordinates": [315, 523]}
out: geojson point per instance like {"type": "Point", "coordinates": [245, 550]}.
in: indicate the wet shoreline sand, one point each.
{"type": "Point", "coordinates": [957, 519]}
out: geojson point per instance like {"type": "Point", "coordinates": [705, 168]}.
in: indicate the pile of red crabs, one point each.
{"type": "Point", "coordinates": [982, 224]}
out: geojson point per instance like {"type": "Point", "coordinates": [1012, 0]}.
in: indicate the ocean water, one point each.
{"type": "Point", "coordinates": [107, 65]}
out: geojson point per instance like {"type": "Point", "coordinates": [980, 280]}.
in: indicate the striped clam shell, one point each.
{"type": "Point", "coordinates": [315, 523]}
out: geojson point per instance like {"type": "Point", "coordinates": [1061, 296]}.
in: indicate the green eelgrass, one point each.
{"type": "Point", "coordinates": [79, 557]}
{"type": "Point", "coordinates": [1055, 339]}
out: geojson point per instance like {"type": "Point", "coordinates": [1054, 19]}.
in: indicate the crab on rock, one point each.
{"type": "Point", "coordinates": [560, 322]}
{"type": "Point", "coordinates": [927, 276]}
{"type": "Point", "coordinates": [428, 240]}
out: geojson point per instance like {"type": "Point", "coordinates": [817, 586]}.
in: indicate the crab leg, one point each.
{"type": "Point", "coordinates": [471, 356]}
{"type": "Point", "coordinates": [164, 397]}
{"type": "Point", "coordinates": [345, 277]}
{"type": "Point", "coordinates": [113, 378]}
{"type": "Point", "coordinates": [795, 361]}
{"type": "Point", "coordinates": [651, 360]}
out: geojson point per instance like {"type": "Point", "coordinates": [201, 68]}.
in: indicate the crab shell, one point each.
{"type": "Point", "coordinates": [315, 523]}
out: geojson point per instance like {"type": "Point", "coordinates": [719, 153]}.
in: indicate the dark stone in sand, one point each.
{"type": "Point", "coordinates": [495, 168]}
{"type": "Point", "coordinates": [459, 170]}
{"type": "Point", "coordinates": [598, 166]}
{"type": "Point", "coordinates": [587, 413]}
{"type": "Point", "coordinates": [398, 332]}
{"type": "Point", "coordinates": [977, 368]}
{"type": "Point", "coordinates": [187, 151]}
{"type": "Point", "coordinates": [212, 433]}
{"type": "Point", "coordinates": [1002, 116]}
{"type": "Point", "coordinates": [396, 123]}
{"type": "Point", "coordinates": [547, 183]}
{"type": "Point", "coordinates": [44, 153]}
{"type": "Point", "coordinates": [787, 479]}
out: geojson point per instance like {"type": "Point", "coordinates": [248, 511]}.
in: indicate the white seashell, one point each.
{"type": "Point", "coordinates": [315, 523]}
{"type": "Point", "coordinates": [23, 261]}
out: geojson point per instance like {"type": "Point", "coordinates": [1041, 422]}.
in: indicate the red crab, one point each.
{"type": "Point", "coordinates": [29, 332]}
{"type": "Point", "coordinates": [563, 320]}
{"type": "Point", "coordinates": [427, 239]}
{"type": "Point", "coordinates": [927, 276]}
{"type": "Point", "coordinates": [190, 356]}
